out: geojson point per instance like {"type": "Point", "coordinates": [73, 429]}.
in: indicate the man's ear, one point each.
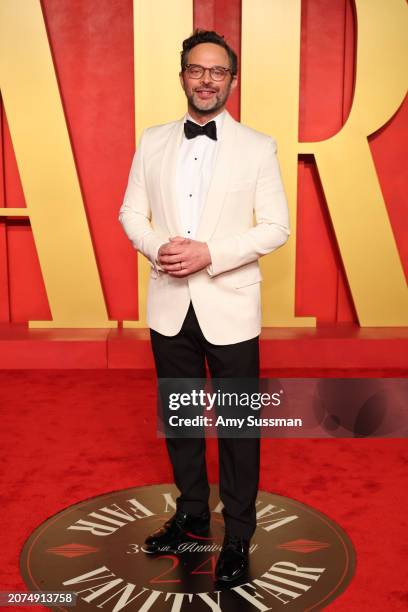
{"type": "Point", "coordinates": [234, 81]}
{"type": "Point", "coordinates": [181, 79]}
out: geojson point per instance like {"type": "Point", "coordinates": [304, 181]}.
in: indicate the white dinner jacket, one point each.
{"type": "Point", "coordinates": [245, 217]}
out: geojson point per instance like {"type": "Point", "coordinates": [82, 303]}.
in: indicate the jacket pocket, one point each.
{"type": "Point", "coordinates": [250, 278]}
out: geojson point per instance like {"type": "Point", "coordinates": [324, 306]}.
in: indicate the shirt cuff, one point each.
{"type": "Point", "coordinates": [157, 267]}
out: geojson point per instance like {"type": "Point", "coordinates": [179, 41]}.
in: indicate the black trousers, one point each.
{"type": "Point", "coordinates": [183, 356]}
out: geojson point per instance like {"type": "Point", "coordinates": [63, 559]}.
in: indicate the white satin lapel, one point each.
{"type": "Point", "coordinates": [220, 180]}
{"type": "Point", "coordinates": [168, 179]}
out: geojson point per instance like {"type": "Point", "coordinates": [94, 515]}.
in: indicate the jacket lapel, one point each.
{"type": "Point", "coordinates": [220, 180]}
{"type": "Point", "coordinates": [168, 179]}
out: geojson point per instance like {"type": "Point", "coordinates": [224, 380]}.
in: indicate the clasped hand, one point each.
{"type": "Point", "coordinates": [183, 256]}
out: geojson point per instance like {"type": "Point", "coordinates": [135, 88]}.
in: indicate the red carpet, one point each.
{"type": "Point", "coordinates": [72, 434]}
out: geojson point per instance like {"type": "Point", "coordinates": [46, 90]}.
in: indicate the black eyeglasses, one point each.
{"type": "Point", "coordinates": [217, 73]}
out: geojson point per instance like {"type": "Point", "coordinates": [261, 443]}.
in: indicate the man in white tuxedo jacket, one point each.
{"type": "Point", "coordinates": [204, 201]}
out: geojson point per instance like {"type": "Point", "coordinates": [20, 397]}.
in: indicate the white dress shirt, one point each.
{"type": "Point", "coordinates": [195, 164]}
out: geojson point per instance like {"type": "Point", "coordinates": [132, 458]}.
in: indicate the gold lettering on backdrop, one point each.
{"type": "Point", "coordinates": [159, 28]}
{"type": "Point", "coordinates": [47, 170]}
{"type": "Point", "coordinates": [270, 46]}
{"type": "Point", "coordinates": [270, 51]}
{"type": "Point", "coordinates": [270, 86]}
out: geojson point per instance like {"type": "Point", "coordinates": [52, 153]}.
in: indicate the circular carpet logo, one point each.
{"type": "Point", "coordinates": [299, 558]}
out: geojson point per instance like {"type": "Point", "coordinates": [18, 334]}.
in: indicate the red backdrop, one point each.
{"type": "Point", "coordinates": [92, 47]}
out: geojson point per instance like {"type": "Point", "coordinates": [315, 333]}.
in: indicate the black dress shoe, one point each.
{"type": "Point", "coordinates": [232, 563]}
{"type": "Point", "coordinates": [176, 530]}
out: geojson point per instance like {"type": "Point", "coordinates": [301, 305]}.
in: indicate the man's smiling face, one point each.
{"type": "Point", "coordinates": [206, 97]}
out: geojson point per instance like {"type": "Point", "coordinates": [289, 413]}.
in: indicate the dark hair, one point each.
{"type": "Point", "coordinates": [208, 36]}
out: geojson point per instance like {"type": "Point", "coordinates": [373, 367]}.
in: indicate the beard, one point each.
{"type": "Point", "coordinates": [207, 107]}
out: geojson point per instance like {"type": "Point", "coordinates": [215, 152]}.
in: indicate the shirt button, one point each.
{"type": "Point", "coordinates": [189, 195]}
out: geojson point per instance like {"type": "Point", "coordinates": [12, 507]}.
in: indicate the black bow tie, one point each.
{"type": "Point", "coordinates": [191, 130]}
